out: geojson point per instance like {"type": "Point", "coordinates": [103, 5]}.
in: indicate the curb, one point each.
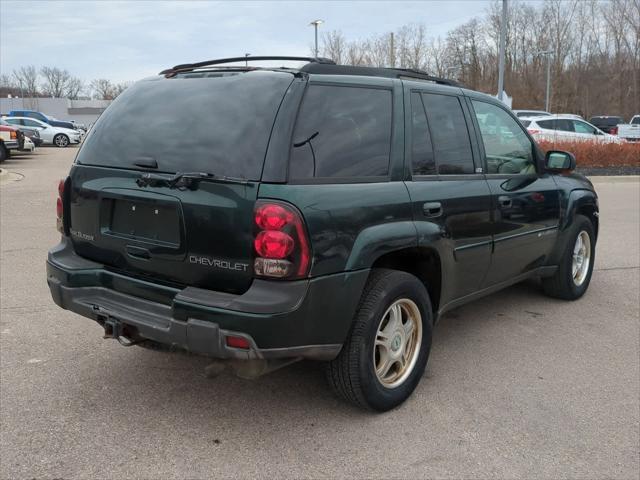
{"type": "Point", "coordinates": [614, 178]}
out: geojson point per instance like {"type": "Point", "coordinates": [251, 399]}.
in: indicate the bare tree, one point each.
{"type": "Point", "coordinates": [26, 79]}
{"type": "Point", "coordinates": [103, 89]}
{"type": "Point", "coordinates": [55, 82]}
{"type": "Point", "coordinates": [333, 46]}
{"type": "Point", "coordinates": [74, 87]}
{"type": "Point", "coordinates": [120, 87]}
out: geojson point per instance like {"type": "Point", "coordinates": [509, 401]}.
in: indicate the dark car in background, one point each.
{"type": "Point", "coordinates": [42, 117]}
{"type": "Point", "coordinates": [606, 123]}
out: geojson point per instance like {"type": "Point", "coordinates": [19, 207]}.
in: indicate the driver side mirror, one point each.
{"type": "Point", "coordinates": [557, 160]}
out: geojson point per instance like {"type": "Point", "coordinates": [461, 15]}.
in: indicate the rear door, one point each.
{"type": "Point", "coordinates": [450, 197]}
{"type": "Point", "coordinates": [525, 202]}
{"type": "Point", "coordinates": [192, 231]}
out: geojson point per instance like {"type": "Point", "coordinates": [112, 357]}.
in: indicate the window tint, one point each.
{"type": "Point", "coordinates": [216, 125]}
{"type": "Point", "coordinates": [342, 132]}
{"type": "Point", "coordinates": [525, 123]}
{"type": "Point", "coordinates": [507, 147]}
{"type": "Point", "coordinates": [581, 127]}
{"type": "Point", "coordinates": [422, 159]}
{"type": "Point", "coordinates": [564, 125]}
{"type": "Point", "coordinates": [450, 137]}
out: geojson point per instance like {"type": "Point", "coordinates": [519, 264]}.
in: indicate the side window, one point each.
{"type": "Point", "coordinates": [547, 124]}
{"type": "Point", "coordinates": [507, 147]}
{"type": "Point", "coordinates": [450, 137]}
{"type": "Point", "coordinates": [422, 159]}
{"type": "Point", "coordinates": [564, 125]}
{"type": "Point", "coordinates": [31, 123]}
{"type": "Point", "coordinates": [581, 127]}
{"type": "Point", "coordinates": [342, 132]}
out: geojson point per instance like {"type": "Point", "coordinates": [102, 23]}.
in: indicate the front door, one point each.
{"type": "Point", "coordinates": [451, 201]}
{"type": "Point", "coordinates": [525, 202]}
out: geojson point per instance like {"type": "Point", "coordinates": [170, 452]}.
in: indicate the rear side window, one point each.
{"type": "Point", "coordinates": [218, 124]}
{"type": "Point", "coordinates": [449, 134]}
{"type": "Point", "coordinates": [559, 124]}
{"type": "Point", "coordinates": [525, 123]}
{"type": "Point", "coordinates": [342, 132]}
{"type": "Point", "coordinates": [422, 159]}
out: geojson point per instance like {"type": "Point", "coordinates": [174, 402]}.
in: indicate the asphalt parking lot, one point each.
{"type": "Point", "coordinates": [517, 386]}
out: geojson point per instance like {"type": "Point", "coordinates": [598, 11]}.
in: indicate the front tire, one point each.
{"type": "Point", "coordinates": [4, 153]}
{"type": "Point", "coordinates": [573, 276]}
{"type": "Point", "coordinates": [386, 352]}
{"type": "Point", "coordinates": [61, 140]}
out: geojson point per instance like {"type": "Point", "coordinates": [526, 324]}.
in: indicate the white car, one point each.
{"type": "Point", "coordinates": [29, 146]}
{"type": "Point", "coordinates": [565, 128]}
{"type": "Point", "coordinates": [60, 137]}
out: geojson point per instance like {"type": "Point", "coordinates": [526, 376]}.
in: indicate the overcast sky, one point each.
{"type": "Point", "coordinates": [130, 40]}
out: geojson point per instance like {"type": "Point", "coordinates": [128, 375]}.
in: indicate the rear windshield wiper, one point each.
{"type": "Point", "coordinates": [185, 180]}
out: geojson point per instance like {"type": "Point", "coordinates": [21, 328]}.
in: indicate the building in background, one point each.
{"type": "Point", "coordinates": [82, 111]}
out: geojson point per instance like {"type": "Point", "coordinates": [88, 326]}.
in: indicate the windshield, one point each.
{"type": "Point", "coordinates": [218, 123]}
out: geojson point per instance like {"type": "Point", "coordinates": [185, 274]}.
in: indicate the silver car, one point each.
{"type": "Point", "coordinates": [50, 135]}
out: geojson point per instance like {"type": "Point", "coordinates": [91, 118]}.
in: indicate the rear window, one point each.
{"type": "Point", "coordinates": [635, 121]}
{"type": "Point", "coordinates": [342, 132]}
{"type": "Point", "coordinates": [219, 124]}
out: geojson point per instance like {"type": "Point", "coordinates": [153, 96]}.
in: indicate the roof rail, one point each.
{"type": "Point", "coordinates": [409, 73]}
{"type": "Point", "coordinates": [421, 74]}
{"type": "Point", "coordinates": [221, 61]}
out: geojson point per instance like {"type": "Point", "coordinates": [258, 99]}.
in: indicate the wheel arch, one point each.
{"type": "Point", "coordinates": [422, 262]}
{"type": "Point", "coordinates": [580, 202]}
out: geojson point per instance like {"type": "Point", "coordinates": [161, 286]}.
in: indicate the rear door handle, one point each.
{"type": "Point", "coordinates": [505, 201]}
{"type": "Point", "coordinates": [432, 209]}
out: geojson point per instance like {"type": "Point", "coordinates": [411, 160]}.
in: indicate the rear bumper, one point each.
{"type": "Point", "coordinates": [298, 319]}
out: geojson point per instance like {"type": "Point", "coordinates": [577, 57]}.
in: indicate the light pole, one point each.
{"type": "Point", "coordinates": [246, 62]}
{"type": "Point", "coordinates": [315, 24]}
{"type": "Point", "coordinates": [503, 43]}
{"type": "Point", "coordinates": [548, 94]}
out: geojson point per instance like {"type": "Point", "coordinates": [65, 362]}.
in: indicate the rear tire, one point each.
{"type": "Point", "coordinates": [382, 361]}
{"type": "Point", "coordinates": [61, 140]}
{"type": "Point", "coordinates": [573, 276]}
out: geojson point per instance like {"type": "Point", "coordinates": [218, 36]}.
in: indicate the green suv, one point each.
{"type": "Point", "coordinates": [261, 215]}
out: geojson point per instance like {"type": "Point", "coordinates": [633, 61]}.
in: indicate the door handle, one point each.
{"type": "Point", "coordinates": [432, 209]}
{"type": "Point", "coordinates": [505, 201]}
{"type": "Point", "coordinates": [138, 252]}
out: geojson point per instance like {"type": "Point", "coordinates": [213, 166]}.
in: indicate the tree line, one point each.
{"type": "Point", "coordinates": [29, 81]}
{"type": "Point", "coordinates": [594, 53]}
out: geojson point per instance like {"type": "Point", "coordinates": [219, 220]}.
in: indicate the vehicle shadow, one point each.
{"type": "Point", "coordinates": [163, 383]}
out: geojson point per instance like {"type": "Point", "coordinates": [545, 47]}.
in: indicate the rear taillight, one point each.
{"type": "Point", "coordinates": [533, 131]}
{"type": "Point", "coordinates": [280, 242]}
{"type": "Point", "coordinates": [613, 131]}
{"type": "Point", "coordinates": [60, 207]}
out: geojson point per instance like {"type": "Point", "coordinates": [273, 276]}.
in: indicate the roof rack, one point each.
{"type": "Point", "coordinates": [333, 69]}
{"type": "Point", "coordinates": [221, 61]}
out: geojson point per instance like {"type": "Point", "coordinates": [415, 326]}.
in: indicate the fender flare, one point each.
{"type": "Point", "coordinates": [377, 240]}
{"type": "Point", "coordinates": [577, 200]}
